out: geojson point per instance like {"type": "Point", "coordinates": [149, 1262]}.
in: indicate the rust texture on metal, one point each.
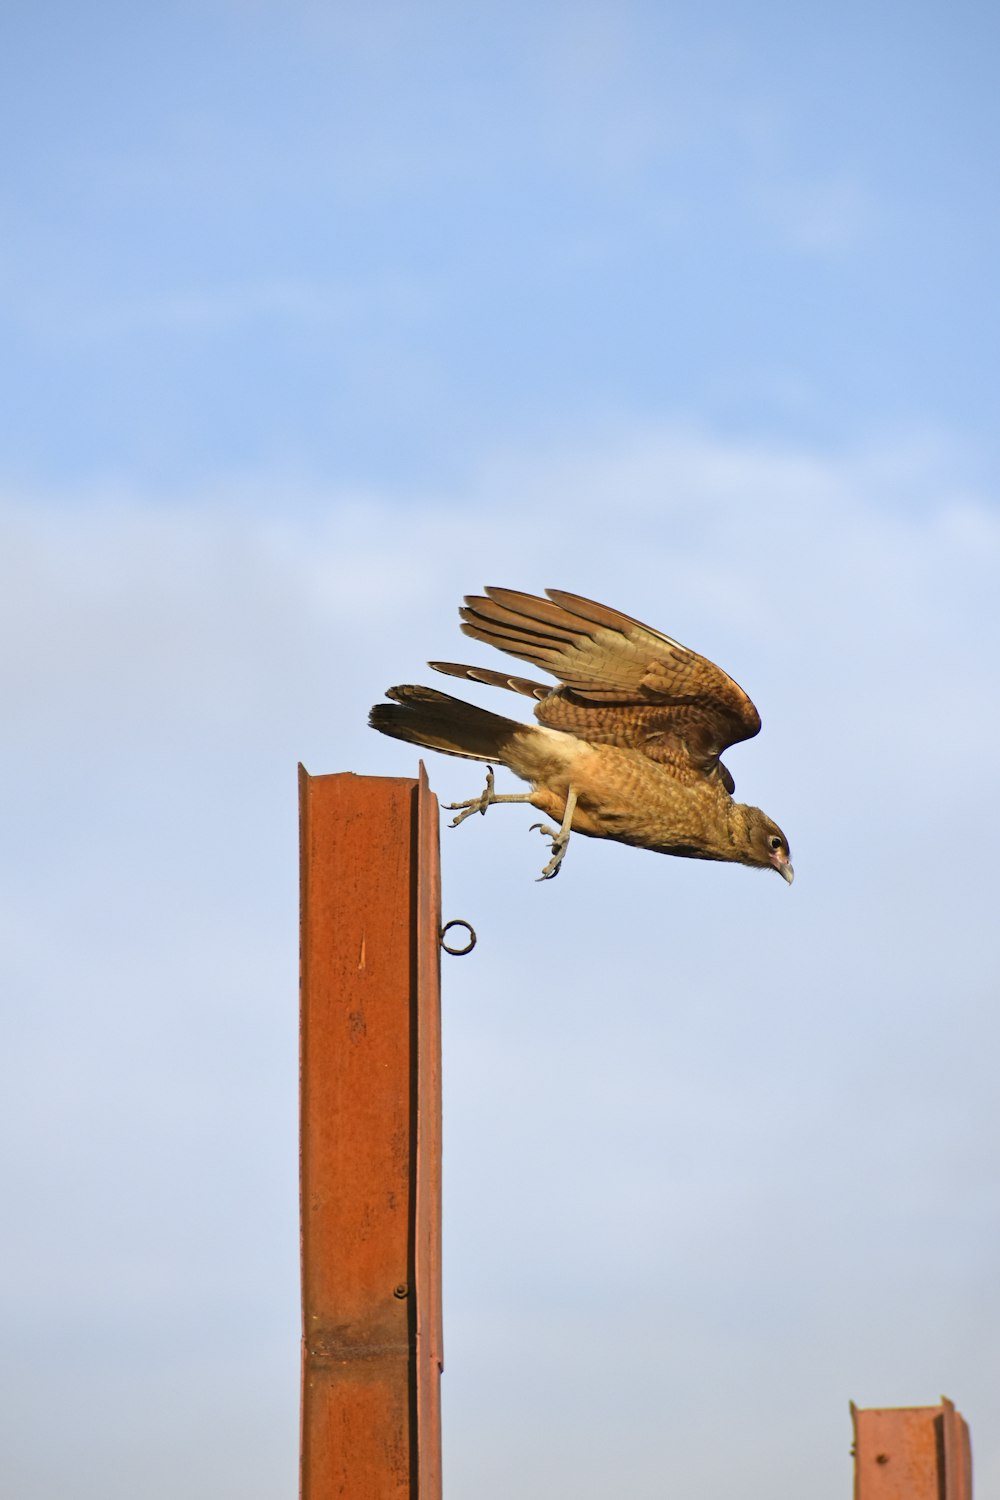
{"type": "Point", "coordinates": [370, 1138]}
{"type": "Point", "coordinates": [911, 1453]}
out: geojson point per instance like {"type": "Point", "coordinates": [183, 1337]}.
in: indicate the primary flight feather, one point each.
{"type": "Point", "coordinates": [627, 744]}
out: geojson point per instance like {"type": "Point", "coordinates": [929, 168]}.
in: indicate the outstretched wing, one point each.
{"type": "Point", "coordinates": [623, 683]}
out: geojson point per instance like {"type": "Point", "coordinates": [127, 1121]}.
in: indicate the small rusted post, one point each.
{"type": "Point", "coordinates": [911, 1453]}
{"type": "Point", "coordinates": [370, 1138]}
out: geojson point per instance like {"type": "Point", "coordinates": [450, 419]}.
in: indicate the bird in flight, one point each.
{"type": "Point", "coordinates": [627, 743]}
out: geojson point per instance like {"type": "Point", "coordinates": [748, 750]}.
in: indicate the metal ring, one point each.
{"type": "Point", "coordinates": [458, 922]}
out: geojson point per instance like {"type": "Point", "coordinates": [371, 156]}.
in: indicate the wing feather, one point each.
{"type": "Point", "coordinates": [493, 679]}
{"type": "Point", "coordinates": [621, 682]}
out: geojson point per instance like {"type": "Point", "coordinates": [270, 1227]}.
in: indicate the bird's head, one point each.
{"type": "Point", "coordinates": [768, 847]}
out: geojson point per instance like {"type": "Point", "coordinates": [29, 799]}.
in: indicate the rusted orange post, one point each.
{"type": "Point", "coordinates": [911, 1453]}
{"type": "Point", "coordinates": [371, 1138]}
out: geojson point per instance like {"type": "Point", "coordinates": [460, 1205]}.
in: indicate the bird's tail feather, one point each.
{"type": "Point", "coordinates": [426, 717]}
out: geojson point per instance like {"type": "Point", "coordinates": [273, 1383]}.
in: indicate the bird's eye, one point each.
{"type": "Point", "coordinates": [774, 841]}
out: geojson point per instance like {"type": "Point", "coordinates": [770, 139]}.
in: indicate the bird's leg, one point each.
{"type": "Point", "coordinates": [486, 799]}
{"type": "Point", "coordinates": [559, 837]}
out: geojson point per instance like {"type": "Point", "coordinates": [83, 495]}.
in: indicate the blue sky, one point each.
{"type": "Point", "coordinates": [314, 321]}
{"type": "Point", "coordinates": [247, 236]}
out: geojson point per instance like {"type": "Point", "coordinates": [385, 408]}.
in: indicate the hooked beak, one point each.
{"type": "Point", "coordinates": [783, 865]}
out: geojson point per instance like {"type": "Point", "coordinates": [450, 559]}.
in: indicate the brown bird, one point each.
{"type": "Point", "coordinates": [627, 746]}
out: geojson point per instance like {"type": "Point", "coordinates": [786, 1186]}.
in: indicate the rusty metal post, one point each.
{"type": "Point", "coordinates": [911, 1453]}
{"type": "Point", "coordinates": [370, 1138]}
